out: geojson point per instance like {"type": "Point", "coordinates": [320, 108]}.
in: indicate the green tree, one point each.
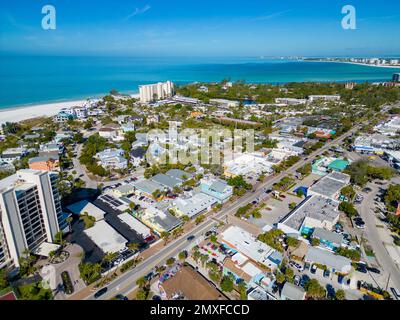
{"type": "Point", "coordinates": [3, 279]}
{"type": "Point", "coordinates": [315, 242]}
{"type": "Point", "coordinates": [141, 282]}
{"type": "Point", "coordinates": [227, 284]}
{"type": "Point", "coordinates": [340, 295]}
{"type": "Point", "coordinates": [182, 255]}
{"type": "Point", "coordinates": [315, 290]}
{"type": "Point", "coordinates": [348, 192]}
{"type": "Point", "coordinates": [200, 219]}
{"type": "Point", "coordinates": [292, 242]}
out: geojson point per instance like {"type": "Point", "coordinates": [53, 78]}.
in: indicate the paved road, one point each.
{"type": "Point", "coordinates": [122, 283]}
{"type": "Point", "coordinates": [375, 241]}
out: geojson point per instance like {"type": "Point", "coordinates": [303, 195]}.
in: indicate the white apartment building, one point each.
{"type": "Point", "coordinates": [30, 213]}
{"type": "Point", "coordinates": [157, 91]}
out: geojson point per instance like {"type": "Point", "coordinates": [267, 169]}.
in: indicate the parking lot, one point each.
{"type": "Point", "coordinates": [274, 210]}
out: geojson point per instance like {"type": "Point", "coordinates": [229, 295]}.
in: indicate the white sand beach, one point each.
{"type": "Point", "coordinates": [16, 114]}
{"type": "Point", "coordinates": [24, 113]}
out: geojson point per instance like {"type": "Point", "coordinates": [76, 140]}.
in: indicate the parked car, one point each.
{"type": "Point", "coordinates": [313, 269]}
{"type": "Point", "coordinates": [101, 292]}
{"type": "Point", "coordinates": [304, 279]}
{"type": "Point", "coordinates": [340, 279]}
{"type": "Point", "coordinates": [296, 265]}
{"type": "Point", "coordinates": [121, 297]}
{"type": "Point", "coordinates": [326, 273]}
{"type": "Point", "coordinates": [374, 270]}
{"type": "Point", "coordinates": [297, 280]}
{"type": "Point", "coordinates": [361, 268]}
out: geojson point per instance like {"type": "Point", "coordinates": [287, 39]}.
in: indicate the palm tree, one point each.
{"type": "Point", "coordinates": [141, 282]}
{"type": "Point", "coordinates": [69, 221]}
{"type": "Point", "coordinates": [165, 235]}
{"type": "Point", "coordinates": [133, 246]}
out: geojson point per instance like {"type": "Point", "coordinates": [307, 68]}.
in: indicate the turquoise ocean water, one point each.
{"type": "Point", "coordinates": [28, 80]}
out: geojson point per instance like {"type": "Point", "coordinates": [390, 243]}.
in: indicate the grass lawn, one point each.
{"type": "Point", "coordinates": [34, 292]}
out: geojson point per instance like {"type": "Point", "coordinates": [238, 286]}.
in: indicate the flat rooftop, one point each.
{"type": "Point", "coordinates": [315, 207]}
{"type": "Point", "coordinates": [246, 244]}
{"type": "Point", "coordinates": [135, 224]}
{"type": "Point", "coordinates": [192, 285]}
{"type": "Point", "coordinates": [105, 237]}
{"type": "Point", "coordinates": [331, 184]}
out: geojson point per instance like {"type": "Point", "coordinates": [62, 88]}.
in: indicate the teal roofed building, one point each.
{"type": "Point", "coordinates": [324, 165]}
{"type": "Point", "coordinates": [338, 165]}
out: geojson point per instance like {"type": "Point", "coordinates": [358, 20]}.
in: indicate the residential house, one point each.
{"type": "Point", "coordinates": [112, 158]}
{"type": "Point", "coordinates": [46, 163]}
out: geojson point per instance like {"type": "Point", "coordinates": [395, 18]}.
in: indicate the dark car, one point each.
{"type": "Point", "coordinates": [190, 238]}
{"type": "Point", "coordinates": [361, 268]}
{"type": "Point", "coordinates": [121, 297]}
{"type": "Point", "coordinates": [374, 270]}
{"type": "Point", "coordinates": [340, 279]}
{"type": "Point", "coordinates": [304, 280]}
{"type": "Point", "coordinates": [101, 292]}
{"type": "Point", "coordinates": [326, 273]}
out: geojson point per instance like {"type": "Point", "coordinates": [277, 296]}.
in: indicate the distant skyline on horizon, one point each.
{"type": "Point", "coordinates": [156, 28]}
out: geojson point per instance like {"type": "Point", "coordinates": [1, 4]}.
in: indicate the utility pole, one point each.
{"type": "Point", "coordinates": [387, 284]}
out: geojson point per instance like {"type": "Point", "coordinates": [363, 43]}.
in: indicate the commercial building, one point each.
{"type": "Point", "coordinates": [194, 205]}
{"type": "Point", "coordinates": [225, 103]}
{"type": "Point", "coordinates": [314, 98]}
{"type": "Point", "coordinates": [244, 242]}
{"type": "Point", "coordinates": [324, 165]}
{"type": "Point", "coordinates": [146, 187]}
{"type": "Point", "coordinates": [158, 91]}
{"type": "Point", "coordinates": [330, 185]}
{"type": "Point", "coordinates": [314, 212]}
{"type": "Point", "coordinates": [159, 220]}
{"type": "Point", "coordinates": [334, 263]}
{"type": "Point", "coordinates": [217, 188]}
{"type": "Point", "coordinates": [328, 239]}
{"type": "Point", "coordinates": [292, 292]}
{"type": "Point", "coordinates": [86, 207]}
{"type": "Point", "coordinates": [31, 213]}
{"type": "Point", "coordinates": [106, 237]}
{"type": "Point", "coordinates": [135, 225]}
{"type": "Point", "coordinates": [290, 101]}
{"type": "Point", "coordinates": [247, 164]}
{"type": "Point", "coordinates": [167, 182]}
{"type": "Point", "coordinates": [389, 128]}
{"type": "Point", "coordinates": [376, 143]}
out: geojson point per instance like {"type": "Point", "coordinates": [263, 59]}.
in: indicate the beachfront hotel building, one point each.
{"type": "Point", "coordinates": [157, 91]}
{"type": "Point", "coordinates": [30, 214]}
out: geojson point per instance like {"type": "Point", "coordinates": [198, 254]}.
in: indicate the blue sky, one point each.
{"type": "Point", "coordinates": [201, 28]}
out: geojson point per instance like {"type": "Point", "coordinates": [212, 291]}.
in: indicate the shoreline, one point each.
{"type": "Point", "coordinates": [355, 63]}
{"type": "Point", "coordinates": [21, 113]}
